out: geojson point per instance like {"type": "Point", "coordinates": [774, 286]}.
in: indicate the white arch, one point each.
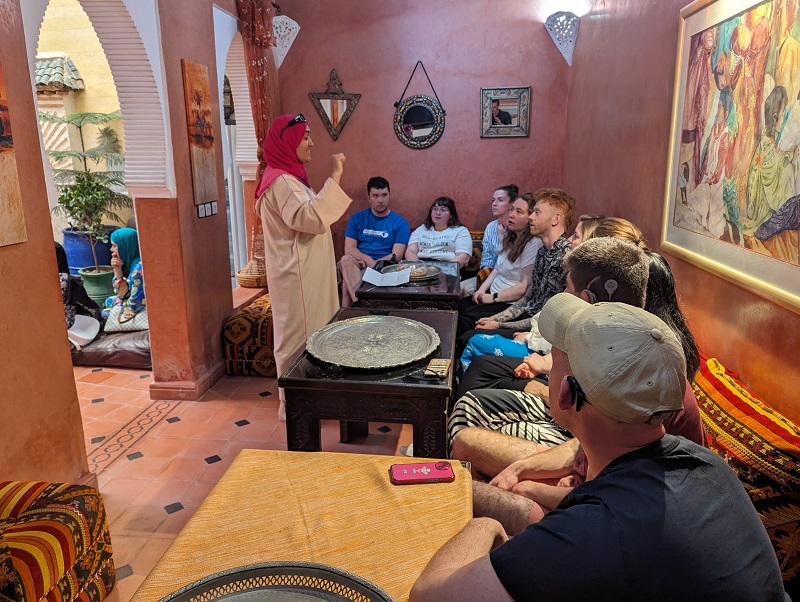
{"type": "Point", "coordinates": [149, 169]}
{"type": "Point", "coordinates": [246, 142]}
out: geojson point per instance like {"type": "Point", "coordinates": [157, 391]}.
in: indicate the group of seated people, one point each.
{"type": "Point", "coordinates": [85, 319]}
{"type": "Point", "coordinates": [574, 408]}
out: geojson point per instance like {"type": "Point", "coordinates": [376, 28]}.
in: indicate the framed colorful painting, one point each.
{"type": "Point", "coordinates": [733, 181]}
{"type": "Point", "coordinates": [12, 220]}
{"type": "Point", "coordinates": [199, 117]}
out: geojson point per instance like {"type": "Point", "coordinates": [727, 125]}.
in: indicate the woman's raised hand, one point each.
{"type": "Point", "coordinates": [337, 169]}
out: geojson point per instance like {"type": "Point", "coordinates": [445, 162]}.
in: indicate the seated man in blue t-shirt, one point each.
{"type": "Point", "coordinates": [372, 234]}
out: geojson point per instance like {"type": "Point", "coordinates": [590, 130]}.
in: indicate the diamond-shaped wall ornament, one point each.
{"type": "Point", "coordinates": [563, 28]}
{"type": "Point", "coordinates": [285, 30]}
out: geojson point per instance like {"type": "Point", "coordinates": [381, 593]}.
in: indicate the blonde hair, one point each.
{"type": "Point", "coordinates": [589, 221]}
{"type": "Point", "coordinates": [618, 227]}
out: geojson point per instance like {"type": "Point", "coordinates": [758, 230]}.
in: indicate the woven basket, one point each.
{"type": "Point", "coordinates": [253, 275]}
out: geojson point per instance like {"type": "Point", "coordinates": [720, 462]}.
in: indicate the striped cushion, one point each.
{"type": "Point", "coordinates": [57, 540]}
{"type": "Point", "coordinates": [742, 426]}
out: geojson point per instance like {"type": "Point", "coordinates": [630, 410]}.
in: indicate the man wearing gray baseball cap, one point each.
{"type": "Point", "coordinates": [659, 517]}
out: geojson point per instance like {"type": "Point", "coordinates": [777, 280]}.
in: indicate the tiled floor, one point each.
{"type": "Point", "coordinates": [157, 460]}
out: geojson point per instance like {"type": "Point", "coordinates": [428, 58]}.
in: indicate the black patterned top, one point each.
{"type": "Point", "coordinates": [549, 278]}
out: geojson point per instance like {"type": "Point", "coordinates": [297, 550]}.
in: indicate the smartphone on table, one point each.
{"type": "Point", "coordinates": [422, 472]}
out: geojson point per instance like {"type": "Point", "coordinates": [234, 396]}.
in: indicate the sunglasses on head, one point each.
{"type": "Point", "coordinates": [295, 121]}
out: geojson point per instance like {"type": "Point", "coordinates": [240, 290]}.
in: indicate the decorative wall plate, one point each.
{"type": "Point", "coordinates": [373, 342]}
{"type": "Point", "coordinates": [281, 581]}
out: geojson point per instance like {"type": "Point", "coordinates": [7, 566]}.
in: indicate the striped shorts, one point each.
{"type": "Point", "coordinates": [514, 413]}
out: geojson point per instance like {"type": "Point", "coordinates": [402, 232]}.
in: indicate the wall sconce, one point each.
{"type": "Point", "coordinates": [563, 28]}
{"type": "Point", "coordinates": [286, 31]}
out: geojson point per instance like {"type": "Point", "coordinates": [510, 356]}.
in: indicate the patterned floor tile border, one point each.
{"type": "Point", "coordinates": [115, 447]}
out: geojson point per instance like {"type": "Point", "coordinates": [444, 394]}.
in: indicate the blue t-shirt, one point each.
{"type": "Point", "coordinates": [375, 236]}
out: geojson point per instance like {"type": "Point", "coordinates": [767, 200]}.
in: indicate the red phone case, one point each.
{"type": "Point", "coordinates": [424, 472]}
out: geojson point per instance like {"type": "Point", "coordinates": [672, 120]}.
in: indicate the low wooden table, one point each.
{"type": "Point", "coordinates": [335, 509]}
{"type": "Point", "coordinates": [373, 395]}
{"type": "Point", "coordinates": [442, 293]}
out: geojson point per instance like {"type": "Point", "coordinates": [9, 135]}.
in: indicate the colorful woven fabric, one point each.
{"type": "Point", "coordinates": [471, 269]}
{"type": "Point", "coordinates": [744, 427]}
{"type": "Point", "coordinates": [247, 341]}
{"type": "Point", "coordinates": [54, 543]}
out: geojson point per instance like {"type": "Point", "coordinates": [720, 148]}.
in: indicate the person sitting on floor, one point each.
{"type": "Point", "coordinates": [77, 303]}
{"type": "Point", "coordinates": [129, 291]}
{"type": "Point", "coordinates": [524, 343]}
{"type": "Point", "coordinates": [504, 370]}
{"type": "Point", "coordinates": [372, 235]}
{"type": "Point", "coordinates": [551, 217]}
{"type": "Point", "coordinates": [658, 518]}
{"type": "Point", "coordinates": [593, 269]}
{"type": "Point", "coordinates": [512, 277]}
{"type": "Point", "coordinates": [441, 237]}
{"type": "Point", "coordinates": [502, 199]}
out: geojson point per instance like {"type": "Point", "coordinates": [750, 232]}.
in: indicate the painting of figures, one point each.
{"type": "Point", "coordinates": [197, 93]}
{"type": "Point", "coordinates": [12, 222]}
{"type": "Point", "coordinates": [733, 193]}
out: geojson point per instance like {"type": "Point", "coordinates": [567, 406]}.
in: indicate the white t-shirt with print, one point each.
{"type": "Point", "coordinates": [510, 274]}
{"type": "Point", "coordinates": [443, 245]}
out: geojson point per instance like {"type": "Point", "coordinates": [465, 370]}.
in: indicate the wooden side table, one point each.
{"type": "Point", "coordinates": [373, 395]}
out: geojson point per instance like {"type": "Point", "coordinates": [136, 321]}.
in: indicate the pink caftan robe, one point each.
{"type": "Point", "coordinates": [301, 268]}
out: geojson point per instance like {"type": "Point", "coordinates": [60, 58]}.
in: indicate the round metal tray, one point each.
{"type": "Point", "coordinates": [431, 271]}
{"type": "Point", "coordinates": [281, 582]}
{"type": "Point", "coordinates": [373, 342]}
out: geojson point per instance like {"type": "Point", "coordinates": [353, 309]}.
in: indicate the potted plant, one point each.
{"type": "Point", "coordinates": [87, 196]}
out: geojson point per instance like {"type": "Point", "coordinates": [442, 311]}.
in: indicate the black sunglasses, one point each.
{"type": "Point", "coordinates": [578, 396]}
{"type": "Point", "coordinates": [295, 121]}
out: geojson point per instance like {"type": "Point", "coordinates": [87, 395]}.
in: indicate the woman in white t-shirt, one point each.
{"type": "Point", "coordinates": [441, 237]}
{"type": "Point", "coordinates": [512, 275]}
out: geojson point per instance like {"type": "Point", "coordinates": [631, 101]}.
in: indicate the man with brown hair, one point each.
{"type": "Point", "coordinates": [551, 218]}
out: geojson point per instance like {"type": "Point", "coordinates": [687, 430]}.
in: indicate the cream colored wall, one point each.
{"type": "Point", "coordinates": [66, 28]}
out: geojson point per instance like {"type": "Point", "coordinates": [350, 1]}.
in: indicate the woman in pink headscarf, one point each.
{"type": "Point", "coordinates": [301, 268]}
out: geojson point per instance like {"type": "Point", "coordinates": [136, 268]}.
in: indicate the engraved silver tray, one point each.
{"type": "Point", "coordinates": [431, 271]}
{"type": "Point", "coordinates": [281, 581]}
{"type": "Point", "coordinates": [373, 342]}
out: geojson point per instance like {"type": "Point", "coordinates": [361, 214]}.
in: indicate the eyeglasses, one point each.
{"type": "Point", "coordinates": [295, 121]}
{"type": "Point", "coordinates": [578, 396]}
{"type": "Point", "coordinates": [440, 209]}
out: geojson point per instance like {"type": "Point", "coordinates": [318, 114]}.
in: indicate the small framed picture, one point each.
{"type": "Point", "coordinates": [505, 112]}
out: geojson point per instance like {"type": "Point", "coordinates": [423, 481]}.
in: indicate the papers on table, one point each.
{"type": "Point", "coordinates": [389, 279]}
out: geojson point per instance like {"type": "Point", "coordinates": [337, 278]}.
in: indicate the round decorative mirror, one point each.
{"type": "Point", "coordinates": [419, 121]}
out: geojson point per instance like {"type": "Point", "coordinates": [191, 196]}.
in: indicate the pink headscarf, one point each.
{"type": "Point", "coordinates": [280, 153]}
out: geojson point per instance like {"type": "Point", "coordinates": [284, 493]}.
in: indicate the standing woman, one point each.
{"type": "Point", "coordinates": [298, 247]}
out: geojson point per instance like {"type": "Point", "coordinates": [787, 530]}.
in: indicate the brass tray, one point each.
{"type": "Point", "coordinates": [281, 582]}
{"type": "Point", "coordinates": [373, 342]}
{"type": "Point", "coordinates": [431, 271]}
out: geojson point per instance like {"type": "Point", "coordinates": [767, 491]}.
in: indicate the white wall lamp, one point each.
{"type": "Point", "coordinates": [286, 31]}
{"type": "Point", "coordinates": [563, 28]}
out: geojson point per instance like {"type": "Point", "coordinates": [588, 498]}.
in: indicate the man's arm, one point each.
{"type": "Point", "coordinates": [351, 248]}
{"type": "Point", "coordinates": [461, 570]}
{"type": "Point", "coordinates": [553, 463]}
{"type": "Point", "coordinates": [548, 496]}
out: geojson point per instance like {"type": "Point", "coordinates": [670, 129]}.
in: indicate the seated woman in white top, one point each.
{"type": "Point", "coordinates": [441, 237]}
{"type": "Point", "coordinates": [512, 276]}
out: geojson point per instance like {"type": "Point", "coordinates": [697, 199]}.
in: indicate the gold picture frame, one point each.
{"type": "Point", "coordinates": [732, 195]}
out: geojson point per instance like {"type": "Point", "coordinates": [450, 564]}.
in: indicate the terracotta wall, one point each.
{"type": "Point", "coordinates": [616, 156]}
{"type": "Point", "coordinates": [465, 45]}
{"type": "Point", "coordinates": [186, 258]}
{"type": "Point", "coordinates": [41, 436]}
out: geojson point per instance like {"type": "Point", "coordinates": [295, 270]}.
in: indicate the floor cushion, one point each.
{"type": "Point", "coordinates": [54, 543]}
{"type": "Point", "coordinates": [763, 448]}
{"type": "Point", "coordinates": [247, 341]}
{"type": "Point", "coordinates": [116, 350]}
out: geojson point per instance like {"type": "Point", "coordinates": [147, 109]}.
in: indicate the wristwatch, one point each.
{"type": "Point", "coordinates": [494, 297]}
